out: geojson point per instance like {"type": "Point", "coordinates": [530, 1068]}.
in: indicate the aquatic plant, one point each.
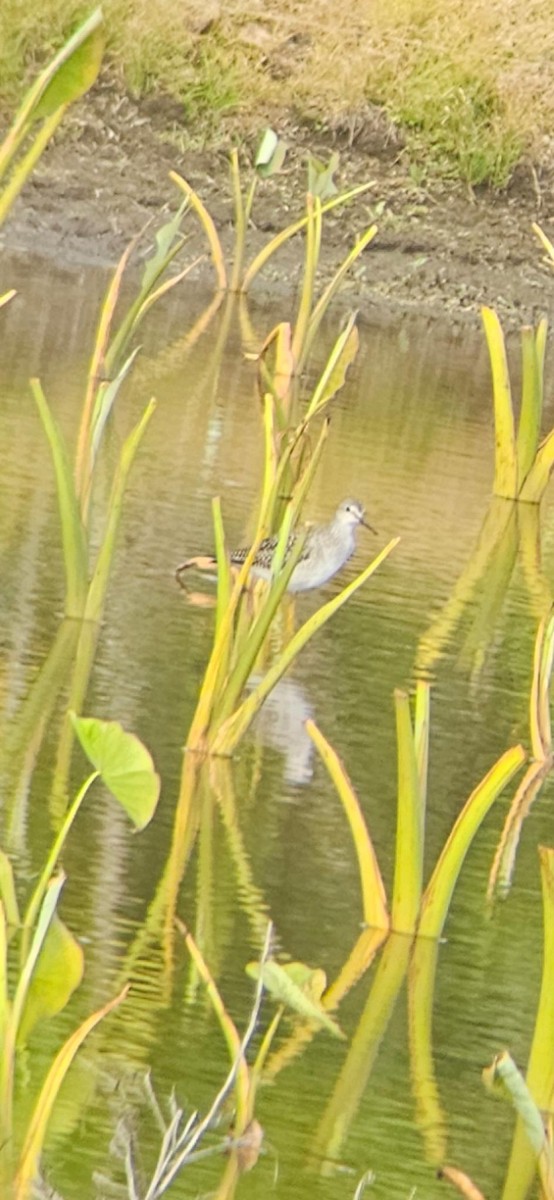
{"type": "Point", "coordinates": [522, 466]}
{"type": "Point", "coordinates": [500, 878]}
{"type": "Point", "coordinates": [528, 1151]}
{"type": "Point", "coordinates": [310, 312]}
{"type": "Point", "coordinates": [47, 958]}
{"type": "Point", "coordinates": [414, 909]}
{"type": "Point", "coordinates": [66, 77]}
{"type": "Point", "coordinates": [222, 715]}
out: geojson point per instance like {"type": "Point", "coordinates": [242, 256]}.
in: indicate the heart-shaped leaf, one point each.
{"type": "Point", "coordinates": [58, 971]}
{"type": "Point", "coordinates": [281, 982]}
{"type": "Point", "coordinates": [125, 766]}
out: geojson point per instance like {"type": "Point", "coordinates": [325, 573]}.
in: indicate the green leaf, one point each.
{"type": "Point", "coordinates": [99, 581]}
{"type": "Point", "coordinates": [76, 73]}
{"type": "Point", "coordinates": [125, 765]}
{"type": "Point", "coordinates": [165, 248]}
{"type": "Point", "coordinates": [58, 971]}
{"type": "Point", "coordinates": [286, 985]}
{"type": "Point", "coordinates": [320, 176]}
{"type": "Point", "coordinates": [73, 533]}
{"type": "Point", "coordinates": [503, 1079]}
{"type": "Point", "coordinates": [270, 155]}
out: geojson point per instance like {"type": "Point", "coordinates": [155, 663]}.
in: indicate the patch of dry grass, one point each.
{"type": "Point", "coordinates": [472, 85]}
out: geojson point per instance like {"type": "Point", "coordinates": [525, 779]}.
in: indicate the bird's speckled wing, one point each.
{"type": "Point", "coordinates": [265, 551]}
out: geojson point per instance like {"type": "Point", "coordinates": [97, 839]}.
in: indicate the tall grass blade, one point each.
{"type": "Point", "coordinates": [335, 371]}
{"type": "Point", "coordinates": [331, 290]}
{"type": "Point", "coordinates": [243, 209]}
{"type": "Point", "coordinates": [253, 643]}
{"type": "Point", "coordinates": [223, 571]}
{"type": "Point", "coordinates": [36, 1133]}
{"type": "Point", "coordinates": [410, 825]}
{"type": "Point", "coordinates": [279, 240]}
{"type": "Point", "coordinates": [539, 474]}
{"type": "Point", "coordinates": [99, 581]}
{"type": "Point", "coordinates": [313, 245]}
{"type": "Point", "coordinates": [539, 703]}
{"type": "Point", "coordinates": [73, 534]}
{"type": "Point", "coordinates": [234, 729]}
{"type": "Point", "coordinates": [196, 740]}
{"type": "Point", "coordinates": [4, 998]}
{"type": "Point", "coordinates": [505, 471]}
{"type": "Point", "coordinates": [216, 249]}
{"type": "Point", "coordinates": [7, 891]}
{"type": "Point", "coordinates": [429, 1114]}
{"type": "Point", "coordinates": [351, 1085]}
{"type": "Point", "coordinates": [105, 399]}
{"type": "Point", "coordinates": [278, 375]}
{"type": "Point", "coordinates": [49, 867]}
{"type": "Point", "coordinates": [540, 1071]}
{"type": "Point", "coordinates": [167, 246]}
{"type": "Point", "coordinates": [374, 897]}
{"type": "Point", "coordinates": [421, 733]}
{"type": "Point", "coordinates": [502, 869]}
{"type": "Point", "coordinates": [531, 404]}
{"type": "Point", "coordinates": [438, 892]}
{"type": "Point", "coordinates": [228, 1026]}
{"type": "Point", "coordinates": [83, 459]}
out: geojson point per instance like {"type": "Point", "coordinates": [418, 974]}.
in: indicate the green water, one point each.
{"type": "Point", "coordinates": [411, 436]}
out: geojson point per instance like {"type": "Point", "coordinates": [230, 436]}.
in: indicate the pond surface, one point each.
{"type": "Point", "coordinates": [411, 436]}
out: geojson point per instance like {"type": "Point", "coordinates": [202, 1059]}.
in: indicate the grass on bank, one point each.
{"type": "Point", "coordinates": [470, 85]}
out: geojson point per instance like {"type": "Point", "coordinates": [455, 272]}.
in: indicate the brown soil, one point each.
{"type": "Point", "coordinates": [440, 248]}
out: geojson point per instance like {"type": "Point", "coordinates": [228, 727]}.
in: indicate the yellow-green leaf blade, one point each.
{"type": "Point", "coordinates": [539, 474]}
{"type": "Point", "coordinates": [441, 885]}
{"type": "Point", "coordinates": [408, 870]}
{"type": "Point", "coordinates": [73, 534]}
{"type": "Point", "coordinates": [505, 473]}
{"type": "Point", "coordinates": [30, 1155]}
{"type": "Point", "coordinates": [373, 889]}
{"type": "Point", "coordinates": [531, 403]}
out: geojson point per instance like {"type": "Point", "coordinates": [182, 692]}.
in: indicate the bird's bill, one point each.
{"type": "Point", "coordinates": [366, 525]}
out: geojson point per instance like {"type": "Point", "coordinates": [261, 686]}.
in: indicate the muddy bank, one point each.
{"type": "Point", "coordinates": [441, 249]}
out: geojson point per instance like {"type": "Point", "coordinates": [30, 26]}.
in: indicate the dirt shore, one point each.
{"type": "Point", "coordinates": [441, 249]}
